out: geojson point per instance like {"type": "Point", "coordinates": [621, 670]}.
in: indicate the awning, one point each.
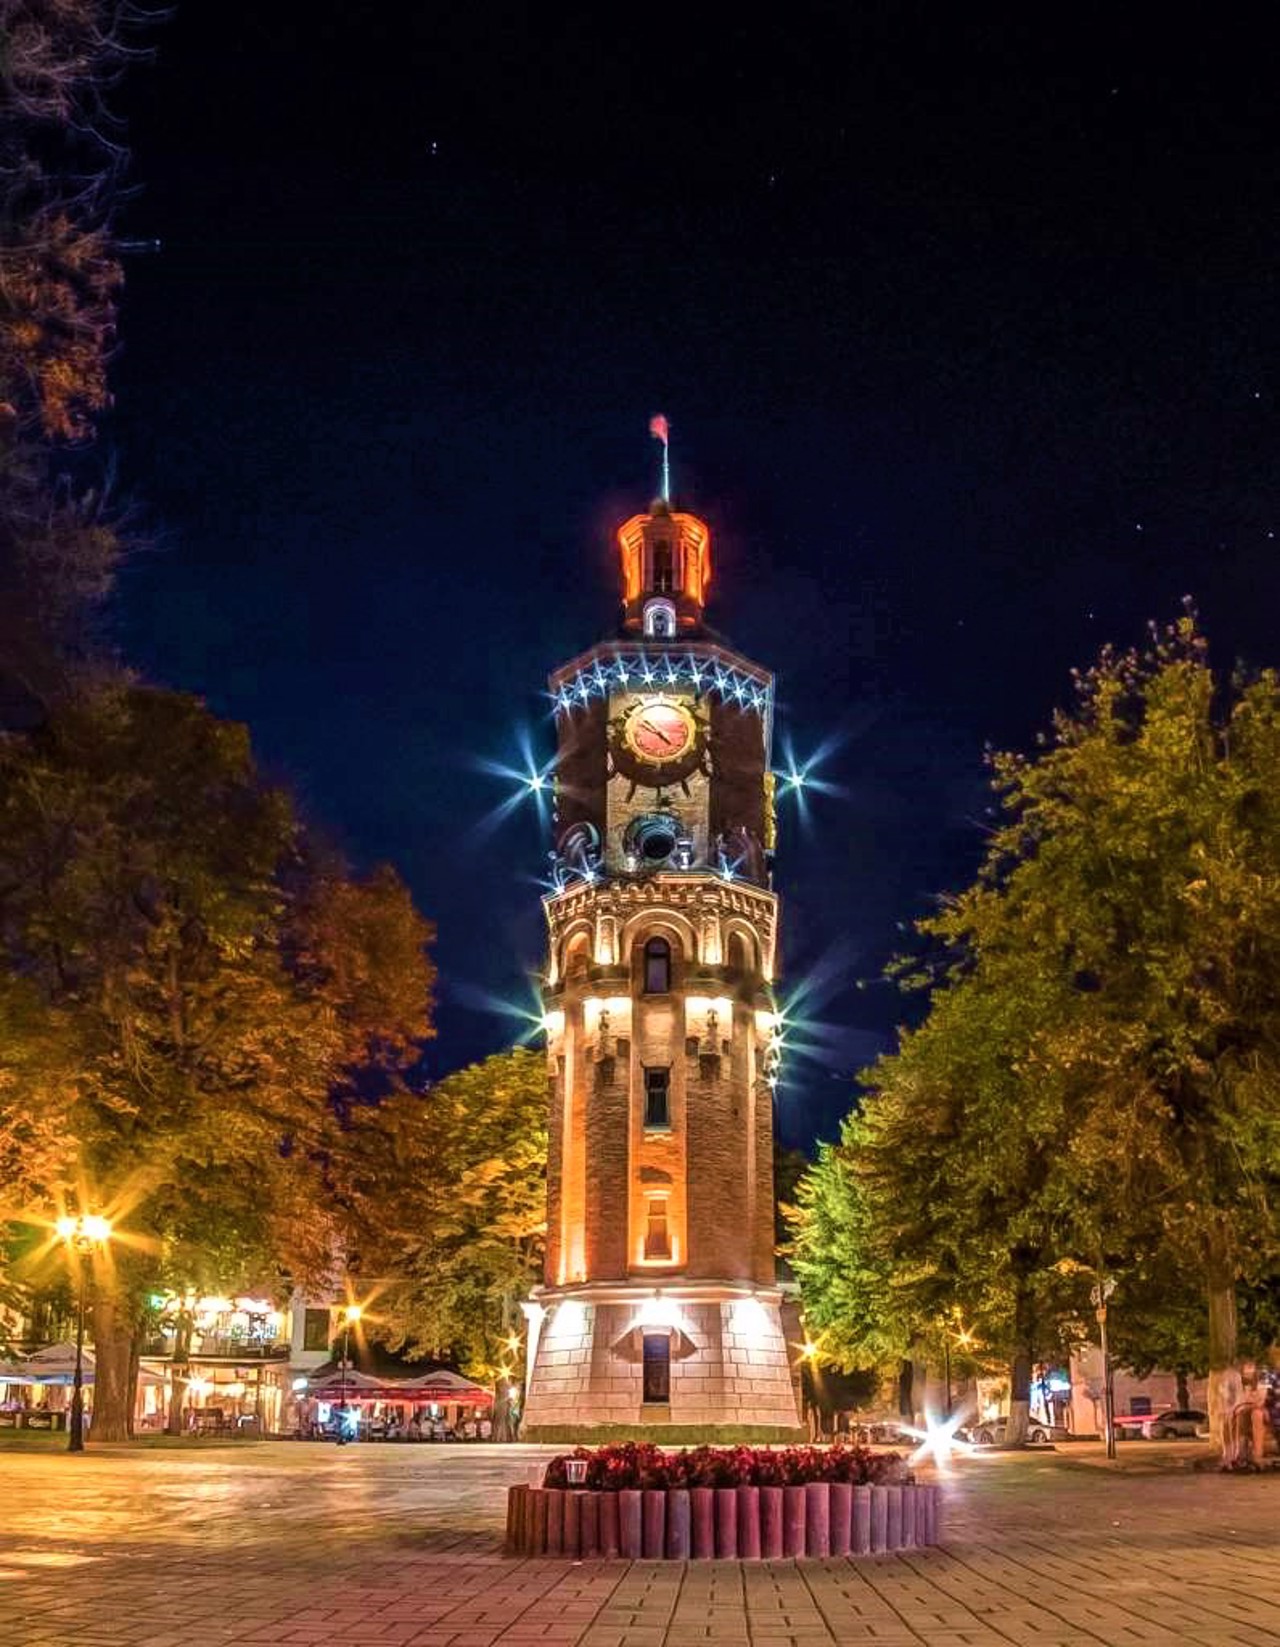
{"type": "Point", "coordinates": [436, 1386]}
{"type": "Point", "coordinates": [56, 1364]}
{"type": "Point", "coordinates": [11, 1373]}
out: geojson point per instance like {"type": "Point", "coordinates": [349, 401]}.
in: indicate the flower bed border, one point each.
{"type": "Point", "coordinates": [819, 1519]}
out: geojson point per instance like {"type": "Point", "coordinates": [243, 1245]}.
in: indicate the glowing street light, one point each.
{"type": "Point", "coordinates": [83, 1236]}
{"type": "Point", "coordinates": [351, 1314]}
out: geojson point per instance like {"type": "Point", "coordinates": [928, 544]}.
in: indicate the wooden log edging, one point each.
{"type": "Point", "coordinates": [817, 1520]}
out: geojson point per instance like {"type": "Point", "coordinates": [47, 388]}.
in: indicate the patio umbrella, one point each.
{"type": "Point", "coordinates": [56, 1364]}
{"type": "Point", "coordinates": [12, 1373]}
{"type": "Point", "coordinates": [442, 1385]}
{"type": "Point", "coordinates": [352, 1382]}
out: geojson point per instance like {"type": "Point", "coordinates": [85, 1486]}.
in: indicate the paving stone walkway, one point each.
{"type": "Point", "coordinates": [399, 1547]}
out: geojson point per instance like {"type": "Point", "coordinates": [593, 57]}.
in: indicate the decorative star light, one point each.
{"type": "Point", "coordinates": [531, 779]}
{"type": "Point", "coordinates": [601, 676]}
{"type": "Point", "coordinates": [938, 1439]}
{"type": "Point", "coordinates": [800, 779]}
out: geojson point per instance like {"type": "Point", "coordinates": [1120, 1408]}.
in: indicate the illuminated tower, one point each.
{"type": "Point", "coordinates": [660, 1312]}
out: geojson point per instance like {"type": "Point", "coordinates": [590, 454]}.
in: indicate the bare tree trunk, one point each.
{"type": "Point", "coordinates": [115, 1373]}
{"type": "Point", "coordinates": [1020, 1366]}
{"type": "Point", "coordinates": [919, 1390]}
{"type": "Point", "coordinates": [1019, 1399]}
{"type": "Point", "coordinates": [906, 1375]}
{"type": "Point", "coordinates": [179, 1370]}
{"type": "Point", "coordinates": [1184, 1389]}
{"type": "Point", "coordinates": [1220, 1288]}
{"type": "Point", "coordinates": [503, 1427]}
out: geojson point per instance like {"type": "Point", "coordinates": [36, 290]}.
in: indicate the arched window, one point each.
{"type": "Point", "coordinates": [663, 567]}
{"type": "Point", "coordinates": [577, 955]}
{"type": "Point", "coordinates": [660, 620]}
{"type": "Point", "coordinates": [657, 966]}
{"type": "Point", "coordinates": [741, 953]}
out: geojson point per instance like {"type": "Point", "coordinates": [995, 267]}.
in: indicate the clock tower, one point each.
{"type": "Point", "coordinates": [660, 1313]}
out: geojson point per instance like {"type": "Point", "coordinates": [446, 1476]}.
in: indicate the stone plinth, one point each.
{"type": "Point", "coordinates": [730, 1376]}
{"type": "Point", "coordinates": [818, 1521]}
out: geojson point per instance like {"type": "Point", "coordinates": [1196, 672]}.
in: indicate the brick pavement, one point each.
{"type": "Point", "coordinates": [398, 1547]}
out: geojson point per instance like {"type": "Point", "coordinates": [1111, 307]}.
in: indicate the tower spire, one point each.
{"type": "Point", "coordinates": [660, 429]}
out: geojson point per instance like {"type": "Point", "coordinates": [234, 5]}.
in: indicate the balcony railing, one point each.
{"type": "Point", "coordinates": [219, 1347]}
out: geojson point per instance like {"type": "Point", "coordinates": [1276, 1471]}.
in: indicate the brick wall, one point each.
{"type": "Point", "coordinates": [729, 1367]}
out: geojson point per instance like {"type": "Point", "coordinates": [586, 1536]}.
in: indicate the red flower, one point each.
{"type": "Point", "coordinates": [630, 1464]}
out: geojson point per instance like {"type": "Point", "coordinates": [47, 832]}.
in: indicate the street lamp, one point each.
{"type": "Point", "coordinates": [1099, 1293]}
{"type": "Point", "coordinates": [83, 1235]}
{"type": "Point", "coordinates": [350, 1315]}
{"type": "Point", "coordinates": [964, 1339]}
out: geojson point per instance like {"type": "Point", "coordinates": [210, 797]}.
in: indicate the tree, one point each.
{"type": "Point", "coordinates": [1098, 1075]}
{"type": "Point", "coordinates": [936, 1206]}
{"type": "Point", "coordinates": [1138, 876]}
{"type": "Point", "coordinates": [447, 1192]}
{"type": "Point", "coordinates": [60, 277]}
{"type": "Point", "coordinates": [185, 982]}
{"type": "Point", "coordinates": [845, 1274]}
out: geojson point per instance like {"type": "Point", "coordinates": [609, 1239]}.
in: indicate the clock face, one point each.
{"type": "Point", "coordinates": [660, 732]}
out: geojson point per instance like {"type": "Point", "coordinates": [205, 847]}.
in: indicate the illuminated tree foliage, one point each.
{"type": "Point", "coordinates": [185, 984]}
{"type": "Point", "coordinates": [1097, 1083]}
{"type": "Point", "coordinates": [448, 1198]}
{"type": "Point", "coordinates": [60, 277]}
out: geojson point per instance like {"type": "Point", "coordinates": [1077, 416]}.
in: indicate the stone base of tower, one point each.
{"type": "Point", "coordinates": [731, 1375]}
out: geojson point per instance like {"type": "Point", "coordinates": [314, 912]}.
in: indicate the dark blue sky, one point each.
{"type": "Point", "coordinates": [966, 330]}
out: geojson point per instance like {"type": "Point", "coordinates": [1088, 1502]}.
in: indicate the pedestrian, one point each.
{"type": "Point", "coordinates": [1249, 1418]}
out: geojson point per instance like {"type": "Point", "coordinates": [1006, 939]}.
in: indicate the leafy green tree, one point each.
{"type": "Point", "coordinates": [936, 1208]}
{"type": "Point", "coordinates": [1137, 878]}
{"type": "Point", "coordinates": [448, 1199]}
{"type": "Point", "coordinates": [845, 1272]}
{"type": "Point", "coordinates": [1098, 1076]}
{"type": "Point", "coordinates": [184, 984]}
{"type": "Point", "coordinates": [60, 278]}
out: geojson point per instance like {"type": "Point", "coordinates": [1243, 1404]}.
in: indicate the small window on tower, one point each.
{"type": "Point", "coordinates": [660, 620]}
{"type": "Point", "coordinates": [663, 567]}
{"type": "Point", "coordinates": [657, 1093]}
{"type": "Point", "coordinates": [657, 1366]}
{"type": "Point", "coordinates": [657, 1239]}
{"type": "Point", "coordinates": [657, 966]}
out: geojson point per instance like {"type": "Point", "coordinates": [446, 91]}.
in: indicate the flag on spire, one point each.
{"type": "Point", "coordinates": [660, 429]}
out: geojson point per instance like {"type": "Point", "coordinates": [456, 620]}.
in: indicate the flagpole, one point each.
{"type": "Point", "coordinates": [660, 429]}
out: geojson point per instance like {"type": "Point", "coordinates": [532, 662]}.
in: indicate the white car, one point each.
{"type": "Point", "coordinates": [1182, 1423]}
{"type": "Point", "coordinates": [990, 1432]}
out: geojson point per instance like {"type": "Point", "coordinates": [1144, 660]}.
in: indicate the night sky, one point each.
{"type": "Point", "coordinates": [965, 325]}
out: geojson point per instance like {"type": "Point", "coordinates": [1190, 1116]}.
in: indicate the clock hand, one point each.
{"type": "Point", "coordinates": [657, 731]}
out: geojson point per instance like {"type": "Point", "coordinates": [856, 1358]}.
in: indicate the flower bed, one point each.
{"type": "Point", "coordinates": [637, 1501]}
{"type": "Point", "coordinates": [642, 1464]}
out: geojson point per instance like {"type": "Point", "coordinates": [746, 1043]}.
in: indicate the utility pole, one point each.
{"type": "Point", "coordinates": [1100, 1292]}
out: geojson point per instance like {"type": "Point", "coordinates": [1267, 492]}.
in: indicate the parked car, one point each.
{"type": "Point", "coordinates": [882, 1433]}
{"type": "Point", "coordinates": [990, 1432]}
{"type": "Point", "coordinates": [1185, 1422]}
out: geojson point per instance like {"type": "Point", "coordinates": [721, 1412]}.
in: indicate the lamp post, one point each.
{"type": "Point", "coordinates": [351, 1313]}
{"type": "Point", "coordinates": [83, 1236]}
{"type": "Point", "coordinates": [1099, 1293]}
{"type": "Point", "coordinates": [963, 1338]}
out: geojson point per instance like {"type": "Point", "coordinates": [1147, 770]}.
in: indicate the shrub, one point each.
{"type": "Point", "coordinates": [642, 1464]}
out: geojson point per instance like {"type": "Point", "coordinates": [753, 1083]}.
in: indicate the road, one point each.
{"type": "Point", "coordinates": [384, 1546]}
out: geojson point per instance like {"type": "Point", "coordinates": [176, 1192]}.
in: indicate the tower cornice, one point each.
{"type": "Point", "coordinates": [705, 902]}
{"type": "Point", "coordinates": [705, 665]}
